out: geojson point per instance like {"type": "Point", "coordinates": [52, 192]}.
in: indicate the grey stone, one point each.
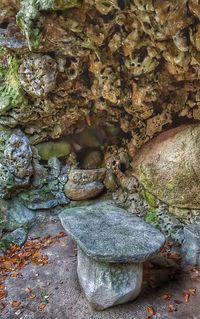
{"type": "Point", "coordinates": [112, 244]}
{"type": "Point", "coordinates": [109, 233]}
{"type": "Point", "coordinates": [191, 244]}
{"type": "Point", "coordinates": [19, 216]}
{"type": "Point", "coordinates": [40, 204]}
{"type": "Point", "coordinates": [108, 284]}
{"type": "Point", "coordinates": [18, 236]}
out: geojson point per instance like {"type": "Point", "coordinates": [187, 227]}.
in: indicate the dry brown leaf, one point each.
{"type": "Point", "coordinates": [186, 296]}
{"type": "Point", "coordinates": [42, 306]}
{"type": "Point", "coordinates": [192, 291]}
{"type": "Point", "coordinates": [16, 304]}
{"type": "Point", "coordinates": [151, 311]}
{"type": "Point", "coordinates": [32, 296]}
{"type": "Point", "coordinates": [2, 306]}
{"type": "Point", "coordinates": [172, 308]}
{"type": "Point", "coordinates": [28, 290]}
{"type": "Point", "coordinates": [166, 296]}
{"type": "Point", "coordinates": [3, 294]}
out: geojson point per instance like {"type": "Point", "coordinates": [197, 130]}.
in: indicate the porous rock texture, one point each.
{"type": "Point", "coordinates": [65, 64]}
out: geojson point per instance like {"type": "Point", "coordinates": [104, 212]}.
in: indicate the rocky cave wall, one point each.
{"type": "Point", "coordinates": [103, 75]}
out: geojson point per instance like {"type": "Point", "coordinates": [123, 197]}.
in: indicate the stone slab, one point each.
{"type": "Point", "coordinates": [111, 234]}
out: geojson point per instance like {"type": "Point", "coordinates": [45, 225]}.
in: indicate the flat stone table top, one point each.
{"type": "Point", "coordinates": [111, 234]}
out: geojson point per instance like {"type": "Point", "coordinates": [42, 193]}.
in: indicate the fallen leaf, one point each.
{"type": "Point", "coordinates": [166, 296]}
{"type": "Point", "coordinates": [186, 296]}
{"type": "Point", "coordinates": [3, 294]}
{"type": "Point", "coordinates": [32, 296]}
{"type": "Point", "coordinates": [16, 275]}
{"type": "Point", "coordinates": [16, 304]}
{"type": "Point", "coordinates": [172, 308]}
{"type": "Point", "coordinates": [2, 306]}
{"type": "Point", "coordinates": [42, 306]}
{"type": "Point", "coordinates": [28, 290]}
{"type": "Point", "coordinates": [151, 311]}
{"type": "Point", "coordinates": [192, 291]}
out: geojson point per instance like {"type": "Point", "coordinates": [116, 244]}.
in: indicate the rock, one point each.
{"type": "Point", "coordinates": [84, 191]}
{"type": "Point", "coordinates": [53, 149]}
{"type": "Point", "coordinates": [16, 166]}
{"type": "Point", "coordinates": [111, 234]}
{"type": "Point", "coordinates": [18, 236]}
{"type": "Point", "coordinates": [19, 216]}
{"type": "Point", "coordinates": [18, 156]}
{"type": "Point", "coordinates": [39, 199]}
{"type": "Point", "coordinates": [92, 159]}
{"type": "Point", "coordinates": [112, 245]}
{"type": "Point", "coordinates": [191, 245]}
{"type": "Point", "coordinates": [84, 184]}
{"type": "Point", "coordinates": [107, 284]}
{"type": "Point", "coordinates": [37, 74]}
{"type": "Point", "coordinates": [169, 168]}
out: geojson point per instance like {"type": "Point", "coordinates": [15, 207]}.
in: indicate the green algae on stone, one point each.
{"type": "Point", "coordinates": [168, 167]}
{"type": "Point", "coordinates": [57, 4]}
{"type": "Point", "coordinates": [12, 94]}
{"type": "Point", "coordinates": [53, 149]}
{"type": "Point", "coordinates": [30, 22]}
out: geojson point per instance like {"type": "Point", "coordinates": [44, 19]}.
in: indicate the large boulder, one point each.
{"type": "Point", "coordinates": [169, 166]}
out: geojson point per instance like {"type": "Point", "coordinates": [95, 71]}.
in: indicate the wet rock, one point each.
{"type": "Point", "coordinates": [19, 216]}
{"type": "Point", "coordinates": [18, 236]}
{"type": "Point", "coordinates": [37, 74]}
{"type": "Point", "coordinates": [84, 184]}
{"type": "Point", "coordinates": [169, 167]}
{"type": "Point", "coordinates": [112, 244]}
{"type": "Point", "coordinates": [191, 245]}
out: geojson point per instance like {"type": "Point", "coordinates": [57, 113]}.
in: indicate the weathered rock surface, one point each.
{"type": "Point", "coordinates": [85, 184]}
{"type": "Point", "coordinates": [191, 245]}
{"type": "Point", "coordinates": [84, 191]}
{"type": "Point", "coordinates": [16, 166]}
{"type": "Point", "coordinates": [19, 216]}
{"type": "Point", "coordinates": [18, 236]}
{"type": "Point", "coordinates": [111, 234]}
{"type": "Point", "coordinates": [112, 244]}
{"type": "Point", "coordinates": [37, 74]}
{"type": "Point", "coordinates": [169, 166]}
{"type": "Point", "coordinates": [107, 284]}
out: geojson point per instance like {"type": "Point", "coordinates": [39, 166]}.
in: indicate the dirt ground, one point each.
{"type": "Point", "coordinates": [56, 285]}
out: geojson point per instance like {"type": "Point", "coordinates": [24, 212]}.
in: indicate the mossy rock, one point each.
{"type": "Point", "coordinates": [53, 149]}
{"type": "Point", "coordinates": [168, 167]}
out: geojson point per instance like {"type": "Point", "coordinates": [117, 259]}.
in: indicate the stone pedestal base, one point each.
{"type": "Point", "coordinates": [108, 284]}
{"type": "Point", "coordinates": [191, 245]}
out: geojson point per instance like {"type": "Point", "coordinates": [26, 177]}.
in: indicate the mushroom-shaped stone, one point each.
{"type": "Point", "coordinates": [169, 167]}
{"type": "Point", "coordinates": [112, 245]}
